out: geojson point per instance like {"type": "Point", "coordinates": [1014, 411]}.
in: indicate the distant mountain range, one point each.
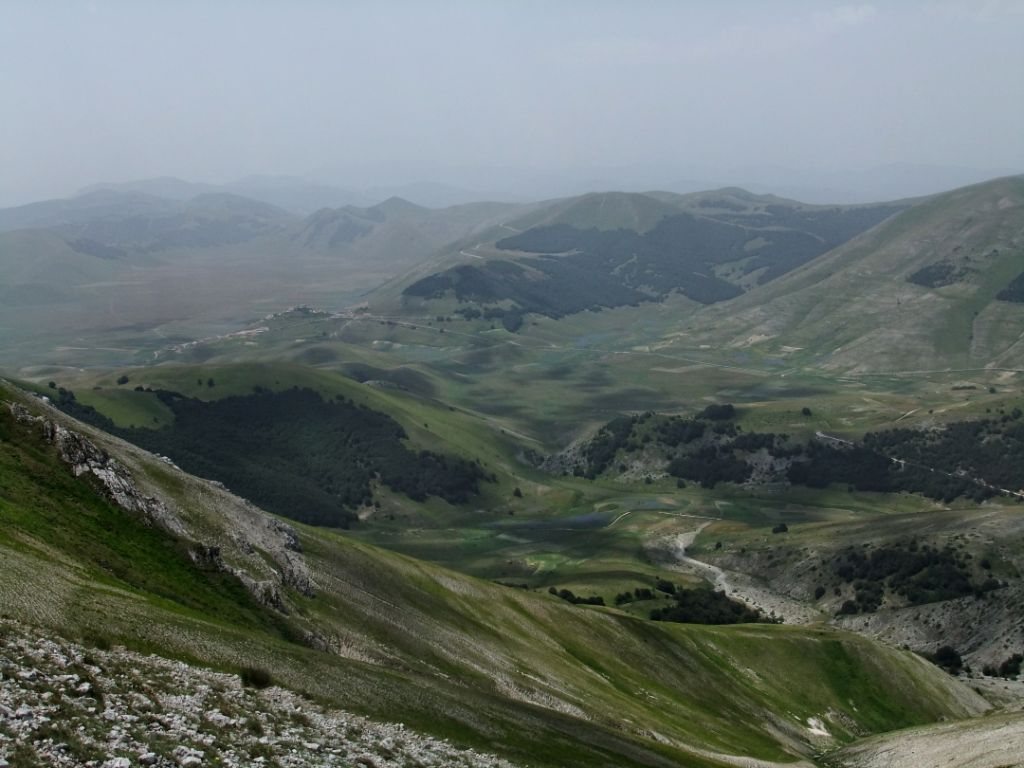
{"type": "Point", "coordinates": [935, 282]}
{"type": "Point", "coordinates": [296, 195]}
{"type": "Point", "coordinates": [853, 287]}
{"type": "Point", "coordinates": [117, 258]}
{"type": "Point", "coordinates": [334, 187]}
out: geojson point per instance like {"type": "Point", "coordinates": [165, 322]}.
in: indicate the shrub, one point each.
{"type": "Point", "coordinates": [706, 606]}
{"type": "Point", "coordinates": [569, 597]}
{"type": "Point", "coordinates": [948, 658]}
{"type": "Point", "coordinates": [99, 642]}
{"type": "Point", "coordinates": [719, 412]}
{"type": "Point", "coordinates": [663, 585]}
{"type": "Point", "coordinates": [848, 608]}
{"type": "Point", "coordinates": [254, 677]}
{"type": "Point", "coordinates": [1010, 668]}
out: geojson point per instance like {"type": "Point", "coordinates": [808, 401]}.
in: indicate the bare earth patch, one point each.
{"type": "Point", "coordinates": [995, 741]}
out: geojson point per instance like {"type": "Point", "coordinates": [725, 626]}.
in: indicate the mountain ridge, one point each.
{"type": "Point", "coordinates": [614, 249]}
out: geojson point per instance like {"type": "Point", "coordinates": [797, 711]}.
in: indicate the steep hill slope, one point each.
{"type": "Point", "coordinates": [102, 541]}
{"type": "Point", "coordinates": [932, 288]}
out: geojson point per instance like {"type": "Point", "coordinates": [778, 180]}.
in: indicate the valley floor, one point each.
{"type": "Point", "coordinates": [739, 586]}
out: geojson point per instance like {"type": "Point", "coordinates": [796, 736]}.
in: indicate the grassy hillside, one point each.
{"type": "Point", "coordinates": [919, 292]}
{"type": "Point", "coordinates": [508, 670]}
{"type": "Point", "coordinates": [408, 398]}
{"type": "Point", "coordinates": [599, 210]}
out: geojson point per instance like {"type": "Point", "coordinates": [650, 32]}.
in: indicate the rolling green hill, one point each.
{"type": "Point", "coordinates": [616, 249]}
{"type": "Point", "coordinates": [128, 550]}
{"type": "Point", "coordinates": [395, 232]}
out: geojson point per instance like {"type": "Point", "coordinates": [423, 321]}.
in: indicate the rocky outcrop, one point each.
{"type": "Point", "coordinates": [566, 461]}
{"type": "Point", "coordinates": [984, 630]}
{"type": "Point", "coordinates": [63, 705]}
{"type": "Point", "coordinates": [85, 457]}
{"type": "Point", "coordinates": [287, 533]}
{"type": "Point", "coordinates": [252, 534]}
{"type": "Point", "coordinates": [208, 557]}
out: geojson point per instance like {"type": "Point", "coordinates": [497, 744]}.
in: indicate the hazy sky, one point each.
{"type": "Point", "coordinates": [389, 92]}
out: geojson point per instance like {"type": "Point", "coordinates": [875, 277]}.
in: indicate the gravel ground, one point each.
{"type": "Point", "coordinates": [65, 705]}
{"type": "Point", "coordinates": [994, 741]}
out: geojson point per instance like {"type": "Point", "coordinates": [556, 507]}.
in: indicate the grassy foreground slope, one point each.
{"type": "Point", "coordinates": [196, 573]}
